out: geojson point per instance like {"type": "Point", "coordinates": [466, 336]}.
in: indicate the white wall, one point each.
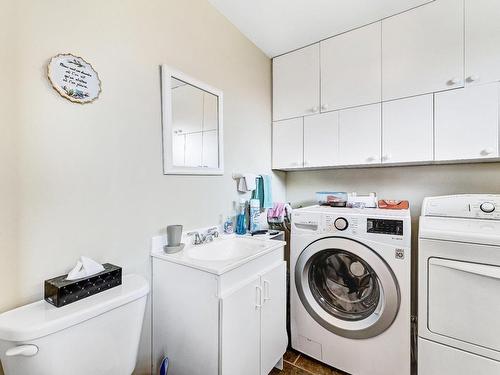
{"type": "Point", "coordinates": [90, 176]}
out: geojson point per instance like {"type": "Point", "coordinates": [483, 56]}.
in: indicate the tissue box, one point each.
{"type": "Point", "coordinates": [60, 292]}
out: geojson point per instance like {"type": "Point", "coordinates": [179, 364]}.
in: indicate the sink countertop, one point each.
{"type": "Point", "coordinates": [218, 267]}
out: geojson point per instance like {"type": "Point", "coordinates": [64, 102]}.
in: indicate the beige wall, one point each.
{"type": "Point", "coordinates": [90, 176]}
{"type": "Point", "coordinates": [8, 155]}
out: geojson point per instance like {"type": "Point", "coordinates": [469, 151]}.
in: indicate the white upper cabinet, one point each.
{"type": "Point", "coordinates": [288, 143]}
{"type": "Point", "coordinates": [408, 130]}
{"type": "Point", "coordinates": [466, 123]}
{"type": "Point", "coordinates": [296, 83]}
{"type": "Point", "coordinates": [423, 50]}
{"type": "Point", "coordinates": [482, 41]}
{"type": "Point", "coordinates": [360, 135]}
{"type": "Point", "coordinates": [321, 140]}
{"type": "Point", "coordinates": [351, 72]}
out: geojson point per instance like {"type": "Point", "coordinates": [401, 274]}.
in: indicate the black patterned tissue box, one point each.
{"type": "Point", "coordinates": [60, 292]}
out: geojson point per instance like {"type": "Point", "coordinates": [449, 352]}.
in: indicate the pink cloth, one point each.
{"type": "Point", "coordinates": [277, 211]}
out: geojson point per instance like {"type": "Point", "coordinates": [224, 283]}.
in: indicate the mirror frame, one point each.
{"type": "Point", "coordinates": [167, 73]}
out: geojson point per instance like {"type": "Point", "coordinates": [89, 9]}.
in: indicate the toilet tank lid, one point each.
{"type": "Point", "coordinates": [40, 318]}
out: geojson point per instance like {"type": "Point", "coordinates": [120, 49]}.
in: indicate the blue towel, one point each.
{"type": "Point", "coordinates": [263, 191]}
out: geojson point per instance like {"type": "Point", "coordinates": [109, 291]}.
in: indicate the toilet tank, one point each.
{"type": "Point", "coordinates": [98, 335]}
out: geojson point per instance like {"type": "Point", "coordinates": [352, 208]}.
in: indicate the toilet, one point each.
{"type": "Point", "coordinates": [98, 335]}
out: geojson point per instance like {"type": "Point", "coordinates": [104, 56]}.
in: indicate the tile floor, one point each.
{"type": "Point", "coordinates": [299, 364]}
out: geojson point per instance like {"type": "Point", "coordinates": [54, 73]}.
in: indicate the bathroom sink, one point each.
{"type": "Point", "coordinates": [223, 254]}
{"type": "Point", "coordinates": [226, 249]}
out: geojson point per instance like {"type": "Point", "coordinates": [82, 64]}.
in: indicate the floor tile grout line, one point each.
{"type": "Point", "coordinates": [296, 359]}
{"type": "Point", "coordinates": [303, 369]}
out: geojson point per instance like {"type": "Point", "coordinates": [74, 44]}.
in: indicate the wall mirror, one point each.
{"type": "Point", "coordinates": [192, 125]}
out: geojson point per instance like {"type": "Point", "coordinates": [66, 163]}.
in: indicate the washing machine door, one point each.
{"type": "Point", "coordinates": [347, 287]}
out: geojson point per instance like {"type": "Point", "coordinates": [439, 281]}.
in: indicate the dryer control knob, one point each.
{"type": "Point", "coordinates": [487, 207]}
{"type": "Point", "coordinates": [341, 223]}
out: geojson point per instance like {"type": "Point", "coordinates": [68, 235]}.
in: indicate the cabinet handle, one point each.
{"type": "Point", "coordinates": [324, 107]}
{"type": "Point", "coordinates": [487, 151]}
{"type": "Point", "coordinates": [454, 81]}
{"type": "Point", "coordinates": [314, 109]}
{"type": "Point", "coordinates": [371, 159]}
{"type": "Point", "coordinates": [386, 157]}
{"type": "Point", "coordinates": [258, 297]}
{"type": "Point", "coordinates": [267, 293]}
{"type": "Point", "coordinates": [473, 78]}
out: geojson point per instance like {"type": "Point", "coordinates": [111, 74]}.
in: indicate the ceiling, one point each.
{"type": "Point", "coordinates": [279, 26]}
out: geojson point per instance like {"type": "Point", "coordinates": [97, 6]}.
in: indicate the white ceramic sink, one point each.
{"type": "Point", "coordinates": [226, 249]}
{"type": "Point", "coordinates": [223, 254]}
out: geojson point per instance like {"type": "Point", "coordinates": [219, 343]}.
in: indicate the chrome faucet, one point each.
{"type": "Point", "coordinates": [200, 238]}
{"type": "Point", "coordinates": [212, 233]}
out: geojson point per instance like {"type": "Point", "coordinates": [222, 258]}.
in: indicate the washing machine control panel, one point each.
{"type": "Point", "coordinates": [385, 226]}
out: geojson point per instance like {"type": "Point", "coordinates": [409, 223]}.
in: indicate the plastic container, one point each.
{"type": "Point", "coordinates": [332, 198]}
{"type": "Point", "coordinates": [241, 221]}
{"type": "Point", "coordinates": [254, 215]}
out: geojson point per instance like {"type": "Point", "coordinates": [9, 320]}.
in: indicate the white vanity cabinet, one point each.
{"type": "Point", "coordinates": [408, 130]}
{"type": "Point", "coordinates": [296, 83]}
{"type": "Point", "coordinates": [466, 123]}
{"type": "Point", "coordinates": [482, 41]}
{"type": "Point", "coordinates": [351, 72]}
{"type": "Point", "coordinates": [360, 135]}
{"type": "Point", "coordinates": [423, 49]}
{"type": "Point", "coordinates": [214, 321]}
{"type": "Point", "coordinates": [321, 140]}
{"type": "Point", "coordinates": [253, 316]}
{"type": "Point", "coordinates": [288, 143]}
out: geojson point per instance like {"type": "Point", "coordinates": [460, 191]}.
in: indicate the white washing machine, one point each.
{"type": "Point", "coordinates": [350, 288]}
{"type": "Point", "coordinates": [459, 286]}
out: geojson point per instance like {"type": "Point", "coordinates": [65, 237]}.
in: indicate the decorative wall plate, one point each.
{"type": "Point", "coordinates": [74, 78]}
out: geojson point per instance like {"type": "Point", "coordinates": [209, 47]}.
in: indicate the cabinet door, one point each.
{"type": "Point", "coordinates": [240, 330]}
{"type": "Point", "coordinates": [296, 83]}
{"type": "Point", "coordinates": [288, 143]}
{"type": "Point", "coordinates": [466, 123]}
{"type": "Point", "coordinates": [187, 109]}
{"type": "Point", "coordinates": [273, 319]}
{"type": "Point", "coordinates": [360, 135]}
{"type": "Point", "coordinates": [321, 140]}
{"type": "Point", "coordinates": [351, 72]}
{"type": "Point", "coordinates": [408, 130]}
{"type": "Point", "coordinates": [482, 40]}
{"type": "Point", "coordinates": [423, 49]}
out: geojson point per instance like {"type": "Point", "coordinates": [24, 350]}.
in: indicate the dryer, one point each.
{"type": "Point", "coordinates": [350, 288]}
{"type": "Point", "coordinates": [459, 285]}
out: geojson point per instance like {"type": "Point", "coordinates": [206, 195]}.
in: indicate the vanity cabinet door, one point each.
{"type": "Point", "coordinates": [273, 319]}
{"type": "Point", "coordinates": [351, 69]}
{"type": "Point", "coordinates": [466, 123]}
{"type": "Point", "coordinates": [360, 135]}
{"type": "Point", "coordinates": [408, 130]}
{"type": "Point", "coordinates": [240, 330]}
{"type": "Point", "coordinates": [482, 38]}
{"type": "Point", "coordinates": [423, 50]}
{"type": "Point", "coordinates": [296, 83]}
{"type": "Point", "coordinates": [321, 140]}
{"type": "Point", "coordinates": [288, 144]}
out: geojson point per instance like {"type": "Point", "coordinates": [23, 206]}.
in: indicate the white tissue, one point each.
{"type": "Point", "coordinates": [85, 267]}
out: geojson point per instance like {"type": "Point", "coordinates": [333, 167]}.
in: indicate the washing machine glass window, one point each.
{"type": "Point", "coordinates": [347, 287]}
{"type": "Point", "coordinates": [343, 284]}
